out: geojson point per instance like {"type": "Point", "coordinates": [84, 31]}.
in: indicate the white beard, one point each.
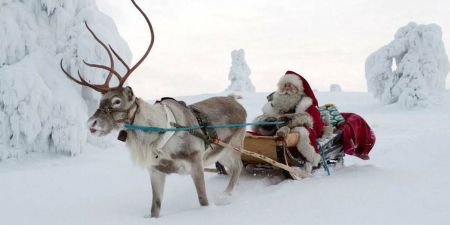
{"type": "Point", "coordinates": [284, 102]}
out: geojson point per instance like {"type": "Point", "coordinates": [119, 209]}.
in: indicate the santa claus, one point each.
{"type": "Point", "coordinates": [295, 103]}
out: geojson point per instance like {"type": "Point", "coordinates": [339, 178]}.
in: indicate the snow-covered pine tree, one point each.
{"type": "Point", "coordinates": [40, 109]}
{"type": "Point", "coordinates": [239, 74]}
{"type": "Point", "coordinates": [421, 66]}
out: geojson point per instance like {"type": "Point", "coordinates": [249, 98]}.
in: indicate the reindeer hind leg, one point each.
{"type": "Point", "coordinates": [233, 160]}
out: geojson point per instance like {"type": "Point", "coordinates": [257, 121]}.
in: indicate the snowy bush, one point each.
{"type": "Point", "coordinates": [335, 88]}
{"type": "Point", "coordinates": [239, 73]}
{"type": "Point", "coordinates": [40, 108]}
{"type": "Point", "coordinates": [421, 66]}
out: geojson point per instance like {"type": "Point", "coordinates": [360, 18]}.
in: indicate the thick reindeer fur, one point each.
{"type": "Point", "coordinates": [185, 153]}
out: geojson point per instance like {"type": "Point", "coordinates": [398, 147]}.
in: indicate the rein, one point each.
{"type": "Point", "coordinates": [208, 135]}
{"type": "Point", "coordinates": [160, 129]}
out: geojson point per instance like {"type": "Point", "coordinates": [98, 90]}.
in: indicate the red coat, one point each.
{"type": "Point", "coordinates": [317, 129]}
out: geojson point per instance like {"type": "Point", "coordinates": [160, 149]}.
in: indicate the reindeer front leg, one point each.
{"type": "Point", "coordinates": [199, 181]}
{"type": "Point", "coordinates": [158, 180]}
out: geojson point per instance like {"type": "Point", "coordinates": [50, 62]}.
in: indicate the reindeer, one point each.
{"type": "Point", "coordinates": [170, 152]}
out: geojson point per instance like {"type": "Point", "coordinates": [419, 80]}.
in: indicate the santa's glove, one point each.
{"type": "Point", "coordinates": [302, 119]}
{"type": "Point", "coordinates": [283, 132]}
{"type": "Point", "coordinates": [266, 129]}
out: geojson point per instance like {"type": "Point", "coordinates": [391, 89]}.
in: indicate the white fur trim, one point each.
{"type": "Point", "coordinates": [293, 79]}
{"type": "Point", "coordinates": [302, 119]}
{"type": "Point", "coordinates": [268, 109]}
{"type": "Point", "coordinates": [305, 148]}
{"type": "Point", "coordinates": [304, 104]}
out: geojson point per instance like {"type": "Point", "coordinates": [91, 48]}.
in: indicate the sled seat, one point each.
{"type": "Point", "coordinates": [284, 151]}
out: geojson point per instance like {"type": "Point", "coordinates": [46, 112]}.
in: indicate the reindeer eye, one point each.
{"type": "Point", "coordinates": [116, 102]}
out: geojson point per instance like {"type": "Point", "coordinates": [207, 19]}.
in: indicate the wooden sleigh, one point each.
{"type": "Point", "coordinates": [283, 150]}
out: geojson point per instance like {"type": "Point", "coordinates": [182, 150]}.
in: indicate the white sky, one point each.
{"type": "Point", "coordinates": [325, 41]}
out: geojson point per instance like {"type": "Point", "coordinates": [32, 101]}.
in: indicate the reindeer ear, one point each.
{"type": "Point", "coordinates": [129, 93]}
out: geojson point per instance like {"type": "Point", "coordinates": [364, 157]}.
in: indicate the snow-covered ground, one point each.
{"type": "Point", "coordinates": [405, 182]}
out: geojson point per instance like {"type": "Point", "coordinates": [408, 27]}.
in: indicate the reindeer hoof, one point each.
{"type": "Point", "coordinates": [149, 216]}
{"type": "Point", "coordinates": [203, 201]}
{"type": "Point", "coordinates": [224, 199]}
{"type": "Point", "coordinates": [154, 213]}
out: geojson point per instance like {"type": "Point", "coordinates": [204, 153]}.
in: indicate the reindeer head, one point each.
{"type": "Point", "coordinates": [118, 104]}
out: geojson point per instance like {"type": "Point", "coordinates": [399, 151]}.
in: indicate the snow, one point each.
{"type": "Point", "coordinates": [40, 109]}
{"type": "Point", "coordinates": [421, 65]}
{"type": "Point", "coordinates": [335, 88]}
{"type": "Point", "coordinates": [405, 182]}
{"type": "Point", "coordinates": [239, 75]}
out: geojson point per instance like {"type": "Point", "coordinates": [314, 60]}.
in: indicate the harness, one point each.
{"type": "Point", "coordinates": [166, 135]}
{"type": "Point", "coordinates": [206, 134]}
{"type": "Point", "coordinates": [108, 110]}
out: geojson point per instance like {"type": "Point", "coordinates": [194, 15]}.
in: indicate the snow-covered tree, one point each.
{"type": "Point", "coordinates": [239, 75]}
{"type": "Point", "coordinates": [335, 88]}
{"type": "Point", "coordinates": [40, 108]}
{"type": "Point", "coordinates": [421, 66]}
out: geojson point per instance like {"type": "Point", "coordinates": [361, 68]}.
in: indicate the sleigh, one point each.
{"type": "Point", "coordinates": [283, 150]}
{"type": "Point", "coordinates": [351, 136]}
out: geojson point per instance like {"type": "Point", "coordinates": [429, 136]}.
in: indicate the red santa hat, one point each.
{"type": "Point", "coordinates": [299, 82]}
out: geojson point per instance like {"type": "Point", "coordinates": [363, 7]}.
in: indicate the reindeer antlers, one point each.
{"type": "Point", "coordinates": [103, 88]}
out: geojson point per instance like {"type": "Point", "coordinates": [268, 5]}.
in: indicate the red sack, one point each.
{"type": "Point", "coordinates": [358, 138]}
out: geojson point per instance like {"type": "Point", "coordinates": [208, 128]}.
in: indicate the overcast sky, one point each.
{"type": "Point", "coordinates": [326, 41]}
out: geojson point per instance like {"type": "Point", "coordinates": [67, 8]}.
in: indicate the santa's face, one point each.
{"type": "Point", "coordinates": [289, 88]}
{"type": "Point", "coordinates": [286, 99]}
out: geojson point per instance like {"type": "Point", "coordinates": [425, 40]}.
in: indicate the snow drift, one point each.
{"type": "Point", "coordinates": [421, 66]}
{"type": "Point", "coordinates": [40, 109]}
{"type": "Point", "coordinates": [239, 73]}
{"type": "Point", "coordinates": [405, 180]}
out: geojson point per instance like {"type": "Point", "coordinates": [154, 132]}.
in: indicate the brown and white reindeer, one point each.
{"type": "Point", "coordinates": [170, 152]}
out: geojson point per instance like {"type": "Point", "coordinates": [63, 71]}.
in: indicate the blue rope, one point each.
{"type": "Point", "coordinates": [160, 129]}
